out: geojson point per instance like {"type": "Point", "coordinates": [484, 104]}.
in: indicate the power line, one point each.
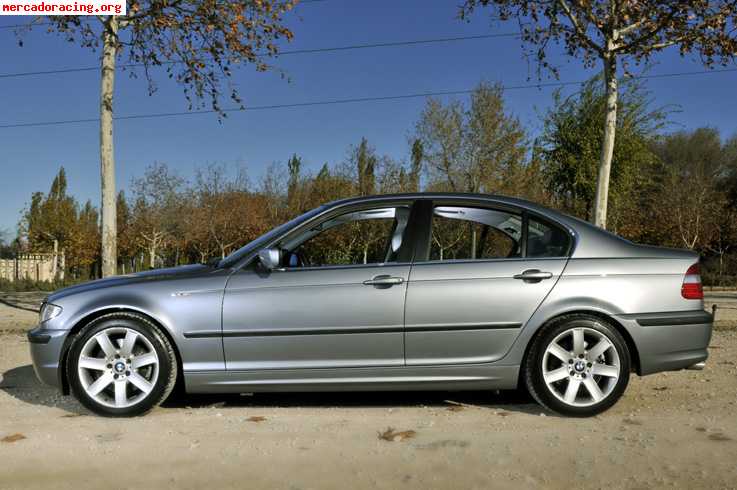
{"type": "Point", "coordinates": [333, 49]}
{"type": "Point", "coordinates": [342, 101]}
{"type": "Point", "coordinates": [34, 24]}
{"type": "Point", "coordinates": [30, 24]}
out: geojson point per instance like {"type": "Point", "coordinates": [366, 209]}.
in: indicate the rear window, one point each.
{"type": "Point", "coordinates": [467, 233]}
{"type": "Point", "coordinates": [474, 233]}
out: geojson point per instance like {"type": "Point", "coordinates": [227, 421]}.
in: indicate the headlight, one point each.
{"type": "Point", "coordinates": [48, 311]}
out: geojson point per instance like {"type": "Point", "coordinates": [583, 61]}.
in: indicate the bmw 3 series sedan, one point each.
{"type": "Point", "coordinates": [400, 292]}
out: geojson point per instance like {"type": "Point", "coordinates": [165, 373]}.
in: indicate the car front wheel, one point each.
{"type": "Point", "coordinates": [579, 366]}
{"type": "Point", "coordinates": [121, 365]}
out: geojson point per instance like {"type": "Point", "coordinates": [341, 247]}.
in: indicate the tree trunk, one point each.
{"type": "Point", "coordinates": [607, 147]}
{"type": "Point", "coordinates": [152, 255]}
{"type": "Point", "coordinates": [107, 157]}
{"type": "Point", "coordinates": [55, 264]}
{"type": "Point", "coordinates": [473, 241]}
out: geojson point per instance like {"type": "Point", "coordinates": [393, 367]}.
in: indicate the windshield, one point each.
{"type": "Point", "coordinates": [267, 237]}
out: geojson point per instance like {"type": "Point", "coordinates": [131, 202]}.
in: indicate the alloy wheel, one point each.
{"type": "Point", "coordinates": [118, 367]}
{"type": "Point", "coordinates": [581, 366]}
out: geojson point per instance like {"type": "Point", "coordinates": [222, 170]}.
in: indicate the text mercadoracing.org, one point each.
{"type": "Point", "coordinates": [61, 7]}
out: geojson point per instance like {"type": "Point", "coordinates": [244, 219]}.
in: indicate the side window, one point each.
{"type": "Point", "coordinates": [463, 233]}
{"type": "Point", "coordinates": [361, 237]}
{"type": "Point", "coordinates": [544, 240]}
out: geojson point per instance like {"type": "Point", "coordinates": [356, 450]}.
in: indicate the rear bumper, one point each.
{"type": "Point", "coordinates": [669, 341]}
{"type": "Point", "coordinates": [46, 348]}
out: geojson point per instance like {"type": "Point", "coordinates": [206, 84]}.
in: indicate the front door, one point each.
{"type": "Point", "coordinates": [480, 283]}
{"type": "Point", "coordinates": [338, 300]}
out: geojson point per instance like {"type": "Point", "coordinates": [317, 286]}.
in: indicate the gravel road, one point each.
{"type": "Point", "coordinates": [669, 430]}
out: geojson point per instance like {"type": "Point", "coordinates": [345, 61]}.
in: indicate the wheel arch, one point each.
{"type": "Point", "coordinates": [630, 342]}
{"type": "Point", "coordinates": [90, 317]}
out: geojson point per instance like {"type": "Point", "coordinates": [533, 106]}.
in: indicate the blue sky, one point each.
{"type": "Point", "coordinates": [29, 157]}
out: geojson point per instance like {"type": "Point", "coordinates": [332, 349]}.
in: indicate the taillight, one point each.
{"type": "Point", "coordinates": [691, 288]}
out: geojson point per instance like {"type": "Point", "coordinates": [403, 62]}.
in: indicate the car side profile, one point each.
{"type": "Point", "coordinates": [397, 292]}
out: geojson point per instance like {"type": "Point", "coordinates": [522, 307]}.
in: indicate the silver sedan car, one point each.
{"type": "Point", "coordinates": [400, 292]}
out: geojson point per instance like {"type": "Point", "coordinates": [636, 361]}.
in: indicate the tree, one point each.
{"type": "Point", "coordinates": [127, 246]}
{"type": "Point", "coordinates": [692, 201]}
{"type": "Point", "coordinates": [474, 148]}
{"type": "Point", "coordinates": [418, 154]}
{"type": "Point", "coordinates": [614, 31]}
{"type": "Point", "coordinates": [7, 246]}
{"type": "Point", "coordinates": [198, 41]}
{"type": "Point", "coordinates": [157, 208]}
{"type": "Point", "coordinates": [84, 255]}
{"type": "Point", "coordinates": [730, 155]}
{"type": "Point", "coordinates": [50, 220]}
{"type": "Point", "coordinates": [365, 161]}
{"type": "Point", "coordinates": [276, 197]}
{"type": "Point", "coordinates": [293, 187]}
{"type": "Point", "coordinates": [225, 210]}
{"type": "Point", "coordinates": [724, 239]}
{"type": "Point", "coordinates": [527, 181]}
{"type": "Point", "coordinates": [392, 177]}
{"type": "Point", "coordinates": [570, 143]}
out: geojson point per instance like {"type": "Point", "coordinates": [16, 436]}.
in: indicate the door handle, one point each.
{"type": "Point", "coordinates": [383, 280]}
{"type": "Point", "coordinates": [533, 275]}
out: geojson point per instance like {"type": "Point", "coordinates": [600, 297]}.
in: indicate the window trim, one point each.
{"type": "Point", "coordinates": [374, 265]}
{"type": "Point", "coordinates": [417, 234]}
{"type": "Point", "coordinates": [405, 254]}
{"type": "Point", "coordinates": [422, 248]}
{"type": "Point", "coordinates": [525, 233]}
{"type": "Point", "coordinates": [341, 266]}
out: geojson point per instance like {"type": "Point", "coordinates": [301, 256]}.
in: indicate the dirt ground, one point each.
{"type": "Point", "coordinates": [669, 430]}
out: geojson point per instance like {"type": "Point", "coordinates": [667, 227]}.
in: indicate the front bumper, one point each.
{"type": "Point", "coordinates": [669, 341]}
{"type": "Point", "coordinates": [46, 350]}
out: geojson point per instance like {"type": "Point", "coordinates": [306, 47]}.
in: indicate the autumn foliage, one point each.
{"type": "Point", "coordinates": [677, 189]}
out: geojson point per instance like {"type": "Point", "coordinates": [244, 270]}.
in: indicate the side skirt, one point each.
{"type": "Point", "coordinates": [416, 378]}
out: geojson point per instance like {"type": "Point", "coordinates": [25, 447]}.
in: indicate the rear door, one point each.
{"type": "Point", "coordinates": [479, 278]}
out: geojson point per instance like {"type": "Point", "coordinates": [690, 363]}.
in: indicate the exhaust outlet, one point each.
{"type": "Point", "coordinates": [697, 367]}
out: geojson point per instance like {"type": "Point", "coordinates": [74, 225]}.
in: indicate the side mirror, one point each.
{"type": "Point", "coordinates": [270, 258]}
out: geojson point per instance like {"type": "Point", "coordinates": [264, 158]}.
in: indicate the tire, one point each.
{"type": "Point", "coordinates": [578, 366]}
{"type": "Point", "coordinates": [132, 372]}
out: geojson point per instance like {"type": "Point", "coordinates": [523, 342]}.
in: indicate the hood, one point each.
{"type": "Point", "coordinates": [139, 277]}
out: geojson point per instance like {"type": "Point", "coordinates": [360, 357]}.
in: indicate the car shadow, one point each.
{"type": "Point", "coordinates": [21, 383]}
{"type": "Point", "coordinates": [511, 401]}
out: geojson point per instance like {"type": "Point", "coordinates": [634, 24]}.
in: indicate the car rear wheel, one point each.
{"type": "Point", "coordinates": [121, 365]}
{"type": "Point", "coordinates": [579, 366]}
